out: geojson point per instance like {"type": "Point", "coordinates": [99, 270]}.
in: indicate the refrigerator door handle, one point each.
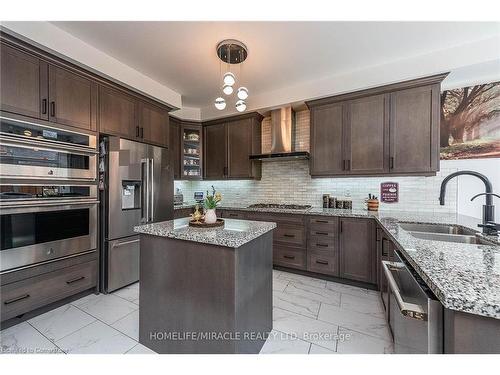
{"type": "Point", "coordinates": [145, 190]}
{"type": "Point", "coordinates": [151, 185]}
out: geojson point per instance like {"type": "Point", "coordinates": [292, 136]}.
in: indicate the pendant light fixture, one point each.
{"type": "Point", "coordinates": [220, 103]}
{"type": "Point", "coordinates": [242, 93]}
{"type": "Point", "coordinates": [231, 52]}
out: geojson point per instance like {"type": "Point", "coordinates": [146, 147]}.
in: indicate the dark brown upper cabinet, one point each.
{"type": "Point", "coordinates": [327, 135]}
{"type": "Point", "coordinates": [72, 99]}
{"type": "Point", "coordinates": [414, 130]}
{"type": "Point", "coordinates": [214, 140]}
{"type": "Point", "coordinates": [23, 88]}
{"type": "Point", "coordinates": [39, 85]}
{"type": "Point", "coordinates": [153, 122]}
{"type": "Point", "coordinates": [392, 129]}
{"type": "Point", "coordinates": [357, 250]}
{"type": "Point", "coordinates": [117, 113]}
{"type": "Point", "coordinates": [228, 146]}
{"type": "Point", "coordinates": [366, 135]}
{"type": "Point", "coordinates": [174, 140]}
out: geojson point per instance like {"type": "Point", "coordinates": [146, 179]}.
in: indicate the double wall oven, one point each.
{"type": "Point", "coordinates": [48, 194]}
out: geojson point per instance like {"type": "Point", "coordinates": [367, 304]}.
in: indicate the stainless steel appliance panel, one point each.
{"type": "Point", "coordinates": [123, 262]}
{"type": "Point", "coordinates": [36, 159]}
{"type": "Point", "coordinates": [27, 240]}
{"type": "Point", "coordinates": [137, 168]}
{"type": "Point", "coordinates": [125, 164]}
{"type": "Point", "coordinates": [416, 317]}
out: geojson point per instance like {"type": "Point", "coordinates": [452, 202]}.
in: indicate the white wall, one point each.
{"type": "Point", "coordinates": [468, 186]}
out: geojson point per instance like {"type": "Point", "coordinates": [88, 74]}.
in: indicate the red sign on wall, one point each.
{"type": "Point", "coordinates": [389, 192]}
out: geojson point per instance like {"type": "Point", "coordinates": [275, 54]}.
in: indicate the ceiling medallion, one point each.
{"type": "Point", "coordinates": [231, 52]}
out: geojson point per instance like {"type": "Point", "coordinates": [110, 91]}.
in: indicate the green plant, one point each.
{"type": "Point", "coordinates": [211, 201]}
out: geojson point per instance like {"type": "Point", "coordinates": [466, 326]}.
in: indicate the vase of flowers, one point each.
{"type": "Point", "coordinates": [211, 202]}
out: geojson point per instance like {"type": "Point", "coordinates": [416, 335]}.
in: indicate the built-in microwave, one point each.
{"type": "Point", "coordinates": [34, 151]}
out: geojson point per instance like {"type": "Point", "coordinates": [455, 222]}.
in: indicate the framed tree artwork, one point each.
{"type": "Point", "coordinates": [470, 122]}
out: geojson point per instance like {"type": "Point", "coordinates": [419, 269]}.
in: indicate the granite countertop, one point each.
{"type": "Point", "coordinates": [235, 233]}
{"type": "Point", "coordinates": [464, 277]}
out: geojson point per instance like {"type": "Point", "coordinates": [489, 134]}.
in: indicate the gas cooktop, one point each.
{"type": "Point", "coordinates": [281, 206]}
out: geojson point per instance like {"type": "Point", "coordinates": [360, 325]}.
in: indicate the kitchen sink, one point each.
{"type": "Point", "coordinates": [444, 233]}
{"type": "Point", "coordinates": [436, 228]}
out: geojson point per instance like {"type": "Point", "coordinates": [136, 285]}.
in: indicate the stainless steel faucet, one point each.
{"type": "Point", "coordinates": [488, 225]}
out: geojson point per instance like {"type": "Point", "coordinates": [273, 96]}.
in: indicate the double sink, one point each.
{"type": "Point", "coordinates": [444, 233]}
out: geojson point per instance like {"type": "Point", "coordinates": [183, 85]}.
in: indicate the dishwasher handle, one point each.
{"type": "Point", "coordinates": [407, 309]}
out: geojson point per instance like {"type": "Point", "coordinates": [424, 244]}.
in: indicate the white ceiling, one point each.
{"type": "Point", "coordinates": [181, 55]}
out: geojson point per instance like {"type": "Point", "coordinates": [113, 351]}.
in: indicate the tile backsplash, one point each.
{"type": "Point", "coordinates": [290, 182]}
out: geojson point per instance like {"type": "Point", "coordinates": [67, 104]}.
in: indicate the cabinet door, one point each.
{"type": "Point", "coordinates": [73, 99]}
{"type": "Point", "coordinates": [327, 140]}
{"type": "Point", "coordinates": [414, 130]}
{"type": "Point", "coordinates": [214, 155]}
{"type": "Point", "coordinates": [357, 253]}
{"type": "Point", "coordinates": [117, 113]}
{"type": "Point", "coordinates": [367, 133]}
{"type": "Point", "coordinates": [174, 146]}
{"type": "Point", "coordinates": [239, 148]}
{"type": "Point", "coordinates": [154, 124]}
{"type": "Point", "coordinates": [22, 85]}
{"type": "Point", "coordinates": [192, 151]}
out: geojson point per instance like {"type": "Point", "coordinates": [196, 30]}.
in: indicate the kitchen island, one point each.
{"type": "Point", "coordinates": [205, 290]}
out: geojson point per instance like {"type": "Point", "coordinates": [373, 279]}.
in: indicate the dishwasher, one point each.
{"type": "Point", "coordinates": [416, 315]}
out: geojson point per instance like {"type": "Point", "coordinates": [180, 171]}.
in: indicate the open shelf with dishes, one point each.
{"type": "Point", "coordinates": [191, 163]}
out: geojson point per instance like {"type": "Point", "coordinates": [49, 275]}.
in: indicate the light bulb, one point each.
{"type": "Point", "coordinates": [229, 79]}
{"type": "Point", "coordinates": [241, 105]}
{"type": "Point", "coordinates": [228, 90]}
{"type": "Point", "coordinates": [242, 93]}
{"type": "Point", "coordinates": [220, 103]}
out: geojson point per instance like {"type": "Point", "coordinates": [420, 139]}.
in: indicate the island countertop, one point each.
{"type": "Point", "coordinates": [234, 234]}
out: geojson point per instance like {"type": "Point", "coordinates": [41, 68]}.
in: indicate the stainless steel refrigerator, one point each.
{"type": "Point", "coordinates": [136, 183]}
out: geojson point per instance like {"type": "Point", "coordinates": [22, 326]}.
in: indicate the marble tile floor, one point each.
{"type": "Point", "coordinates": [310, 316]}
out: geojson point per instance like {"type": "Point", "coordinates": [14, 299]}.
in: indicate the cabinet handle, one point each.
{"type": "Point", "coordinates": [288, 257]}
{"type": "Point", "coordinates": [137, 131]}
{"type": "Point", "coordinates": [391, 166]}
{"type": "Point", "coordinates": [289, 235]}
{"type": "Point", "coordinates": [322, 233]}
{"type": "Point", "coordinates": [75, 280]}
{"type": "Point", "coordinates": [322, 221]}
{"type": "Point", "coordinates": [44, 106]}
{"type": "Point", "coordinates": [233, 214]}
{"type": "Point", "coordinates": [340, 226]}
{"type": "Point", "coordinates": [322, 245]}
{"type": "Point", "coordinates": [322, 262]}
{"type": "Point", "coordinates": [225, 171]}
{"type": "Point", "coordinates": [53, 109]}
{"type": "Point", "coordinates": [142, 132]}
{"type": "Point", "coordinates": [348, 164]}
{"type": "Point", "coordinates": [343, 165]}
{"type": "Point", "coordinates": [8, 302]}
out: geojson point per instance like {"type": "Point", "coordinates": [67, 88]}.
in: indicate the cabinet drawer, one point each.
{"type": "Point", "coordinates": [26, 295]}
{"type": "Point", "coordinates": [289, 235]}
{"type": "Point", "coordinates": [323, 220]}
{"type": "Point", "coordinates": [228, 214]}
{"type": "Point", "coordinates": [322, 264]}
{"type": "Point", "coordinates": [322, 232]}
{"type": "Point", "coordinates": [321, 244]}
{"type": "Point", "coordinates": [289, 257]}
{"type": "Point", "coordinates": [277, 218]}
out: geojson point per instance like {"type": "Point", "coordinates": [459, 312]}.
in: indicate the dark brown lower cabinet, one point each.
{"type": "Point", "coordinates": [30, 293]}
{"type": "Point", "coordinates": [357, 252]}
{"type": "Point", "coordinates": [290, 257]}
{"type": "Point", "coordinates": [183, 212]}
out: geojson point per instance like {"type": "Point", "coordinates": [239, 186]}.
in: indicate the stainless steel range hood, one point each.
{"type": "Point", "coordinates": [282, 133]}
